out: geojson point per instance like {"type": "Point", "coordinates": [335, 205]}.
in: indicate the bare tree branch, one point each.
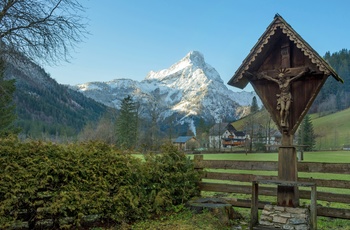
{"type": "Point", "coordinates": [42, 30]}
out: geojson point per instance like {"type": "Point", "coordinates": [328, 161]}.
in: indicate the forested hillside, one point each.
{"type": "Point", "coordinates": [46, 109]}
{"type": "Point", "coordinates": [335, 96]}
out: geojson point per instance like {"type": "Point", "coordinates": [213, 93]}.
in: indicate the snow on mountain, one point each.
{"type": "Point", "coordinates": [187, 90]}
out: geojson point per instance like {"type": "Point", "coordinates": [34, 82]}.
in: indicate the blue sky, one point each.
{"type": "Point", "coordinates": [129, 38]}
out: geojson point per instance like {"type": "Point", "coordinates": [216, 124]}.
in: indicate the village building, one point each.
{"type": "Point", "coordinates": [223, 135]}
{"type": "Point", "coordinates": [271, 140]}
{"type": "Point", "coordinates": [186, 143]}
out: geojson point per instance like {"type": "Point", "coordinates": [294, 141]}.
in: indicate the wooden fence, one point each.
{"type": "Point", "coordinates": [219, 176]}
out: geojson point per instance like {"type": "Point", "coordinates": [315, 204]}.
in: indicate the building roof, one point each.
{"type": "Point", "coordinates": [183, 139]}
{"type": "Point", "coordinates": [220, 128]}
{"type": "Point", "coordinates": [239, 133]}
{"type": "Point", "coordinates": [266, 43]}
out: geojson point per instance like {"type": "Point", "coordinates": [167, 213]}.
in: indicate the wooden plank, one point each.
{"type": "Point", "coordinates": [229, 188]}
{"type": "Point", "coordinates": [333, 212]}
{"type": "Point", "coordinates": [236, 177]}
{"type": "Point", "coordinates": [339, 168]}
{"type": "Point", "coordinates": [327, 196]}
{"type": "Point", "coordinates": [241, 165]}
{"type": "Point", "coordinates": [286, 183]}
{"type": "Point", "coordinates": [328, 183]}
{"type": "Point", "coordinates": [251, 177]}
{"type": "Point", "coordinates": [271, 191]}
{"type": "Point", "coordinates": [246, 203]}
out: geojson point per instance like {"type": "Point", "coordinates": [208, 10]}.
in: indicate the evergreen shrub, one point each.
{"type": "Point", "coordinates": [67, 183]}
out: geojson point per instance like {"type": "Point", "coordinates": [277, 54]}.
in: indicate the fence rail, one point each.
{"type": "Point", "coordinates": [232, 182]}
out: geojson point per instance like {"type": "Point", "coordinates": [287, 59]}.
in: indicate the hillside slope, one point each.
{"type": "Point", "coordinates": [332, 131]}
{"type": "Point", "coordinates": [46, 109]}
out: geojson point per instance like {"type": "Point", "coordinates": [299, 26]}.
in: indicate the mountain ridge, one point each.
{"type": "Point", "coordinates": [45, 108]}
{"type": "Point", "coordinates": [189, 88]}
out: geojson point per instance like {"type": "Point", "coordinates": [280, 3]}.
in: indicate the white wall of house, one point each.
{"type": "Point", "coordinates": [215, 141]}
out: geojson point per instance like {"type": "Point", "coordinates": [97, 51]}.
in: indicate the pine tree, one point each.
{"type": "Point", "coordinates": [252, 124]}
{"type": "Point", "coordinates": [7, 111]}
{"type": "Point", "coordinates": [254, 107]}
{"type": "Point", "coordinates": [306, 134]}
{"type": "Point", "coordinates": [127, 124]}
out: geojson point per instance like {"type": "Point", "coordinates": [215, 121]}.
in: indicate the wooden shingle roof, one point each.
{"type": "Point", "coordinates": [266, 43]}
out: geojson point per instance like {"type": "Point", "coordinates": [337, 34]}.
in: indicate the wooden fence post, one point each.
{"type": "Point", "coordinates": [198, 162]}
{"type": "Point", "coordinates": [254, 205]}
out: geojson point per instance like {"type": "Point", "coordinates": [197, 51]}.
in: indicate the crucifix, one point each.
{"type": "Point", "coordinates": [284, 77]}
{"type": "Point", "coordinates": [287, 75]}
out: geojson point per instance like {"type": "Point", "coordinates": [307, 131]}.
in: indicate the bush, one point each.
{"type": "Point", "coordinates": [40, 180]}
{"type": "Point", "coordinates": [171, 178]}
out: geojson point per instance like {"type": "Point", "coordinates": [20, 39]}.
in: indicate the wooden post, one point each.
{"type": "Point", "coordinates": [198, 165]}
{"type": "Point", "coordinates": [287, 171]}
{"type": "Point", "coordinates": [313, 208]}
{"type": "Point", "coordinates": [198, 162]}
{"type": "Point", "coordinates": [255, 205]}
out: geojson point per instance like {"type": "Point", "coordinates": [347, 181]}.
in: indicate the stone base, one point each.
{"type": "Point", "coordinates": [285, 217]}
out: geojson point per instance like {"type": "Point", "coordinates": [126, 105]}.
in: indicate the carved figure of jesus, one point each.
{"type": "Point", "coordinates": [284, 99]}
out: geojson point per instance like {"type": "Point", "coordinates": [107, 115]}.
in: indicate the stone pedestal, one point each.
{"type": "Point", "coordinates": [285, 217]}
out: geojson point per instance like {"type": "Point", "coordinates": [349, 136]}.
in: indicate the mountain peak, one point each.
{"type": "Point", "coordinates": [194, 57]}
{"type": "Point", "coordinates": [187, 90]}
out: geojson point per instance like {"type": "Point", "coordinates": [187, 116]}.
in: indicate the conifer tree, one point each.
{"type": "Point", "coordinates": [251, 125]}
{"type": "Point", "coordinates": [126, 125]}
{"type": "Point", "coordinates": [254, 107]}
{"type": "Point", "coordinates": [7, 111]}
{"type": "Point", "coordinates": [306, 134]}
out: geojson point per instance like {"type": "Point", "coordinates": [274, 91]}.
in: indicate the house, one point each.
{"type": "Point", "coordinates": [224, 135]}
{"type": "Point", "coordinates": [186, 143]}
{"type": "Point", "coordinates": [271, 141]}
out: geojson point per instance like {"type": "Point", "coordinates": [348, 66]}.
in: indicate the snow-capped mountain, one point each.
{"type": "Point", "coordinates": [188, 89]}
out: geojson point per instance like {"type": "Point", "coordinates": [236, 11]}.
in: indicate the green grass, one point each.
{"type": "Point", "coordinates": [184, 220]}
{"type": "Point", "coordinates": [332, 131]}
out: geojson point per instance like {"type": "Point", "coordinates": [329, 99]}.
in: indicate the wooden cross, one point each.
{"type": "Point", "coordinates": [287, 74]}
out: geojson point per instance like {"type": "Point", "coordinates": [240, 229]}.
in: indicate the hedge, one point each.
{"type": "Point", "coordinates": [63, 185]}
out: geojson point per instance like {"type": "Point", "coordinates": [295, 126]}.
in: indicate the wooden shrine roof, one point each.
{"type": "Point", "coordinates": [264, 45]}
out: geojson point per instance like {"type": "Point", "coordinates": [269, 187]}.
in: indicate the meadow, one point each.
{"type": "Point", "coordinates": [332, 131]}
